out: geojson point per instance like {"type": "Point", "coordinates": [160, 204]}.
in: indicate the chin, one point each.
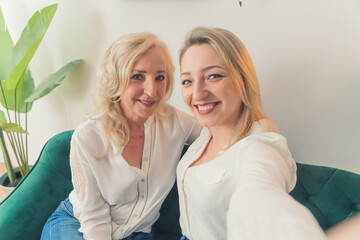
{"type": "Point", "coordinates": [205, 123]}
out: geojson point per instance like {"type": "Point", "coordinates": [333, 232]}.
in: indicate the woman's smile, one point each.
{"type": "Point", "coordinates": [146, 103]}
{"type": "Point", "coordinates": [206, 108]}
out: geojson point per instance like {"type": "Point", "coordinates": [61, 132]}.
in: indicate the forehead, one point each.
{"type": "Point", "coordinates": [152, 58]}
{"type": "Point", "coordinates": [198, 56]}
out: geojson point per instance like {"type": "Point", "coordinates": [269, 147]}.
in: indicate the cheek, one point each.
{"type": "Point", "coordinates": [186, 96]}
{"type": "Point", "coordinates": [132, 91]}
{"type": "Point", "coordinates": [161, 88]}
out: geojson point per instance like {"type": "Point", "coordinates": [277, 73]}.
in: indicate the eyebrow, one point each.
{"type": "Point", "coordinates": [204, 69]}
{"type": "Point", "coordinates": [143, 71]}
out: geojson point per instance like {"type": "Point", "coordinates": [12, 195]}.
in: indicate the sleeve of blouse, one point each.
{"type": "Point", "coordinates": [190, 126]}
{"type": "Point", "coordinates": [93, 211]}
{"type": "Point", "coordinates": [261, 207]}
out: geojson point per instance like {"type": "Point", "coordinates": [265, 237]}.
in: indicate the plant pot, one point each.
{"type": "Point", "coordinates": [5, 187]}
{"type": "Point", "coordinates": [4, 179]}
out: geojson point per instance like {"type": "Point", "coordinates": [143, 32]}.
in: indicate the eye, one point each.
{"type": "Point", "coordinates": [214, 76]}
{"type": "Point", "coordinates": [160, 78]}
{"type": "Point", "coordinates": [185, 82]}
{"type": "Point", "coordinates": [136, 77]}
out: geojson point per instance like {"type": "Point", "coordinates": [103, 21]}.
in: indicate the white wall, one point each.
{"type": "Point", "coordinates": [306, 53]}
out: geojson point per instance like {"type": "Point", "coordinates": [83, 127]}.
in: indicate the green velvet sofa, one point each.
{"type": "Point", "coordinates": [332, 195]}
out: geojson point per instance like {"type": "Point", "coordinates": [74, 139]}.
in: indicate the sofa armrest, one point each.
{"type": "Point", "coordinates": [24, 212]}
{"type": "Point", "coordinates": [332, 195]}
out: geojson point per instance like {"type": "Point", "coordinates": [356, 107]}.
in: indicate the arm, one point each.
{"type": "Point", "coordinates": [261, 207]}
{"type": "Point", "coordinates": [92, 211]}
{"type": "Point", "coordinates": [347, 230]}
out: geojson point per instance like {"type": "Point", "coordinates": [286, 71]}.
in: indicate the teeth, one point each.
{"type": "Point", "coordinates": [147, 103]}
{"type": "Point", "coordinates": [204, 108]}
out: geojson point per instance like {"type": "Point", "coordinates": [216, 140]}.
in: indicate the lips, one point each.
{"type": "Point", "coordinates": [206, 108]}
{"type": "Point", "coordinates": [146, 103]}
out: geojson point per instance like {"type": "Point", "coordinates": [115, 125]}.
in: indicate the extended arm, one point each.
{"type": "Point", "coordinates": [261, 207]}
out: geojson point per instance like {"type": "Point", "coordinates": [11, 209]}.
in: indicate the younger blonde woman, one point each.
{"type": "Point", "coordinates": [235, 178]}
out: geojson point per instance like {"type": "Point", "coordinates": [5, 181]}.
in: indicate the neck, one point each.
{"type": "Point", "coordinates": [136, 122]}
{"type": "Point", "coordinates": [220, 137]}
{"type": "Point", "coordinates": [136, 130]}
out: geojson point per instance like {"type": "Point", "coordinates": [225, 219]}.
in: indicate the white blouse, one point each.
{"type": "Point", "coordinates": [112, 199]}
{"type": "Point", "coordinates": [243, 193]}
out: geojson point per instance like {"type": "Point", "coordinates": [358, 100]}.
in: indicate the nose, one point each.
{"type": "Point", "coordinates": [150, 87]}
{"type": "Point", "coordinates": [200, 91]}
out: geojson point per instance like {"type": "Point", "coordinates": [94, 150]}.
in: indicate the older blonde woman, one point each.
{"type": "Point", "coordinates": [235, 178]}
{"type": "Point", "coordinates": [123, 159]}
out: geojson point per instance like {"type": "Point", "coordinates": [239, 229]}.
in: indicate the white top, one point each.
{"type": "Point", "coordinates": [112, 199]}
{"type": "Point", "coordinates": [243, 193]}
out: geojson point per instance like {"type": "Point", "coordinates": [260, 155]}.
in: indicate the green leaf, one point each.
{"type": "Point", "coordinates": [24, 89]}
{"type": "Point", "coordinates": [2, 117]}
{"type": "Point", "coordinates": [52, 81]}
{"type": "Point", "coordinates": [28, 43]}
{"type": "Point", "coordinates": [12, 127]}
{"type": "Point", "coordinates": [6, 50]}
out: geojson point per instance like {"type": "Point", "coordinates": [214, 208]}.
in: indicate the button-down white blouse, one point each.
{"type": "Point", "coordinates": [243, 193]}
{"type": "Point", "coordinates": [112, 199]}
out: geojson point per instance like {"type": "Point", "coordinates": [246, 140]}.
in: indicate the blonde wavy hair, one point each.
{"type": "Point", "coordinates": [242, 72]}
{"type": "Point", "coordinates": [113, 78]}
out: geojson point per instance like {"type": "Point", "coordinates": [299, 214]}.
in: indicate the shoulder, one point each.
{"type": "Point", "coordinates": [90, 135]}
{"type": "Point", "coordinates": [266, 156]}
{"type": "Point", "coordinates": [89, 127]}
{"type": "Point", "coordinates": [264, 144]}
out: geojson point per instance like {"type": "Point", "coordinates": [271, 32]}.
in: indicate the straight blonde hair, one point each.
{"type": "Point", "coordinates": [242, 72]}
{"type": "Point", "coordinates": [113, 78]}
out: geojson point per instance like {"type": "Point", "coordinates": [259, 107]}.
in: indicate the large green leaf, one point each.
{"type": "Point", "coordinates": [28, 43]}
{"type": "Point", "coordinates": [52, 81]}
{"type": "Point", "coordinates": [12, 127]}
{"type": "Point", "coordinates": [24, 89]}
{"type": "Point", "coordinates": [2, 117]}
{"type": "Point", "coordinates": [6, 49]}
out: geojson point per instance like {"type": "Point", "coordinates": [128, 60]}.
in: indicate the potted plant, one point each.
{"type": "Point", "coordinates": [17, 88]}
